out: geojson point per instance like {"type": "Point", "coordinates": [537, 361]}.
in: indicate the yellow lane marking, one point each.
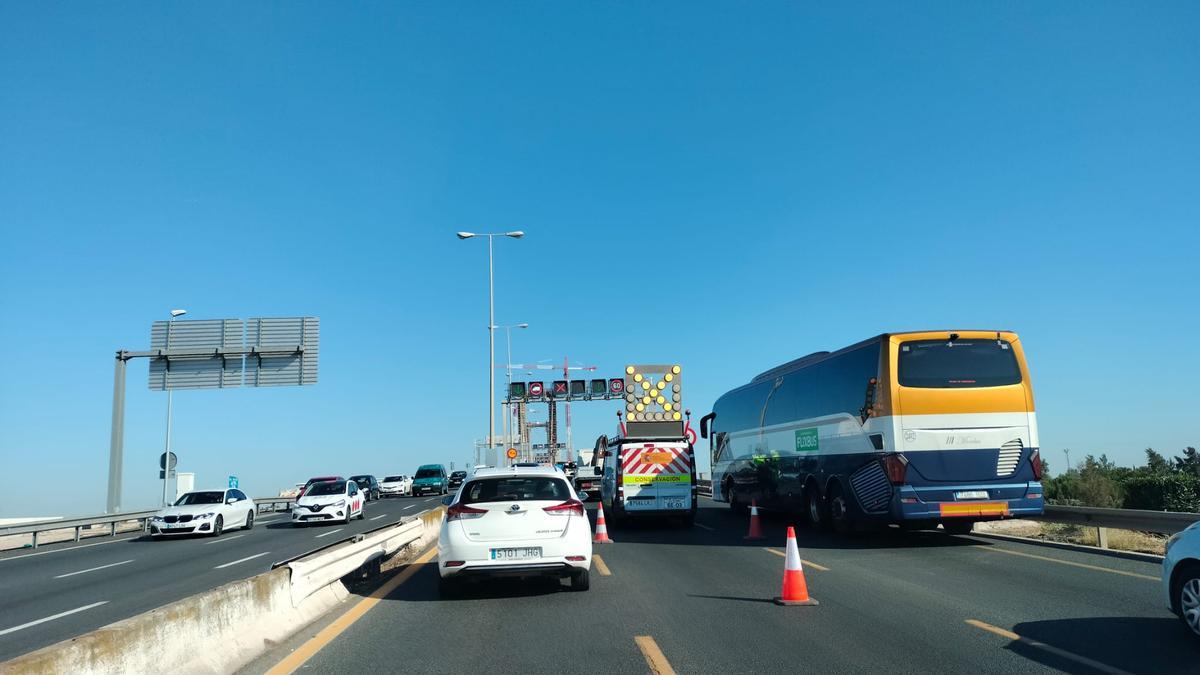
{"type": "Point", "coordinates": [1097, 568]}
{"type": "Point", "coordinates": [1061, 653]}
{"type": "Point", "coordinates": [654, 656]}
{"type": "Point", "coordinates": [806, 563]}
{"type": "Point", "coordinates": [600, 566]}
{"type": "Point", "coordinates": [994, 629]}
{"type": "Point", "coordinates": [705, 527]}
{"type": "Point", "coordinates": [319, 641]}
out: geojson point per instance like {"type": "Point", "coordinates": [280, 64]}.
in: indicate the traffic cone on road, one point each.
{"type": "Point", "coordinates": [755, 533]}
{"type": "Point", "coordinates": [601, 529]}
{"type": "Point", "coordinates": [795, 589]}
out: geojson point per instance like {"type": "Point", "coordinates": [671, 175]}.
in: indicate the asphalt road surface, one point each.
{"type": "Point", "coordinates": [63, 590]}
{"type": "Point", "coordinates": [699, 601]}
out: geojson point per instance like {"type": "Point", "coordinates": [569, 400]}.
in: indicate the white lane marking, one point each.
{"type": "Point", "coordinates": [14, 629]}
{"type": "Point", "coordinates": [377, 517]}
{"type": "Point", "coordinates": [408, 507]}
{"type": "Point", "coordinates": [330, 532]}
{"type": "Point", "coordinates": [705, 527]}
{"type": "Point", "coordinates": [249, 557]}
{"type": "Point", "coordinates": [72, 548]}
{"type": "Point", "coordinates": [221, 539]}
{"type": "Point", "coordinates": [71, 574]}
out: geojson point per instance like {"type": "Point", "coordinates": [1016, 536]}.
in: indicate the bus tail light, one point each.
{"type": "Point", "coordinates": [571, 507]}
{"type": "Point", "coordinates": [1035, 458]}
{"type": "Point", "coordinates": [896, 466]}
{"type": "Point", "coordinates": [463, 512]}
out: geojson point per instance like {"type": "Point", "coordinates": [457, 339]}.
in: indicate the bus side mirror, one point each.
{"type": "Point", "coordinates": [704, 424]}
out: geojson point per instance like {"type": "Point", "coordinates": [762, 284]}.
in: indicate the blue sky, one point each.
{"type": "Point", "coordinates": [726, 186]}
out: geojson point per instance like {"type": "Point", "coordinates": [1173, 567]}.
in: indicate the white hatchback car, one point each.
{"type": "Point", "coordinates": [395, 486]}
{"type": "Point", "coordinates": [1181, 576]}
{"type": "Point", "coordinates": [204, 512]}
{"type": "Point", "coordinates": [514, 522]}
{"type": "Point", "coordinates": [329, 501]}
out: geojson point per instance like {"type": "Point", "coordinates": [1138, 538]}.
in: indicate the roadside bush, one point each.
{"type": "Point", "coordinates": [1167, 492]}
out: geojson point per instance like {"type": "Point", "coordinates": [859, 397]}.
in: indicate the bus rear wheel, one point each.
{"type": "Point", "coordinates": [734, 505]}
{"type": "Point", "coordinates": [839, 510]}
{"type": "Point", "coordinates": [817, 510]}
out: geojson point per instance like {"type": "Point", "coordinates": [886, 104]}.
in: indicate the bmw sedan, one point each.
{"type": "Point", "coordinates": [514, 522]}
{"type": "Point", "coordinates": [204, 512]}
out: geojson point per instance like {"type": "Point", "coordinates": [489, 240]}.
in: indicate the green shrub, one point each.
{"type": "Point", "coordinates": [1166, 492]}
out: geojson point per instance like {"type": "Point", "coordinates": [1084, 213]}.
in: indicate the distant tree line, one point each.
{"type": "Point", "coordinates": [1162, 484]}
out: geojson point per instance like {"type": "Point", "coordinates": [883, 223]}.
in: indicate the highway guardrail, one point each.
{"type": "Point", "coordinates": [1159, 522]}
{"type": "Point", "coordinates": [111, 521]}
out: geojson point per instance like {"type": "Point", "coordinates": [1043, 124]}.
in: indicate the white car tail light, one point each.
{"type": "Point", "coordinates": [567, 508]}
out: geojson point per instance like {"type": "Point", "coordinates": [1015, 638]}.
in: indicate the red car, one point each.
{"type": "Point", "coordinates": [318, 479]}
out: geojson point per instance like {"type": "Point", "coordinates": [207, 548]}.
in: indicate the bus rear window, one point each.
{"type": "Point", "coordinates": [942, 364]}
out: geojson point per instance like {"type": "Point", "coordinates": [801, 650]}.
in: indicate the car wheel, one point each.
{"type": "Point", "coordinates": [249, 520]}
{"type": "Point", "coordinates": [348, 516]}
{"type": "Point", "coordinates": [218, 525]}
{"type": "Point", "coordinates": [581, 581]}
{"type": "Point", "coordinates": [818, 510]}
{"type": "Point", "coordinates": [362, 513]}
{"type": "Point", "coordinates": [958, 526]}
{"type": "Point", "coordinates": [1187, 597]}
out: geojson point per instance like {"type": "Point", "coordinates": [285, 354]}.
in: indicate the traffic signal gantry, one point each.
{"type": "Point", "coordinates": [649, 394]}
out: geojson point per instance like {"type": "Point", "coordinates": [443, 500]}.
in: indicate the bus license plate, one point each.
{"type": "Point", "coordinates": [971, 494]}
{"type": "Point", "coordinates": [516, 553]}
{"type": "Point", "coordinates": [676, 503]}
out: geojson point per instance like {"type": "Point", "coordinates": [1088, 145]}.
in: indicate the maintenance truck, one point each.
{"type": "Point", "coordinates": [649, 468]}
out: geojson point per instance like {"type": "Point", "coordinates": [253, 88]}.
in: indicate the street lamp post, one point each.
{"type": "Point", "coordinates": [175, 314]}
{"type": "Point", "coordinates": [508, 377]}
{"type": "Point", "coordinates": [516, 234]}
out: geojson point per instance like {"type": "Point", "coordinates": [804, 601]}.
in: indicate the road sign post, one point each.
{"type": "Point", "coordinates": [214, 354]}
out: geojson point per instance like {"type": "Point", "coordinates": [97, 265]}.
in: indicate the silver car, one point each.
{"type": "Point", "coordinates": [1181, 577]}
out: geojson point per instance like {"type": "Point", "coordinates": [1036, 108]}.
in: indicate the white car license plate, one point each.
{"type": "Point", "coordinates": [971, 494]}
{"type": "Point", "coordinates": [517, 553]}
{"type": "Point", "coordinates": [675, 503]}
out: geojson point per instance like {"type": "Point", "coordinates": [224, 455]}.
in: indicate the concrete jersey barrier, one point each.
{"type": "Point", "coordinates": [219, 631]}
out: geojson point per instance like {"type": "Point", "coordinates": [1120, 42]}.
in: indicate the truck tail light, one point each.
{"type": "Point", "coordinates": [896, 466]}
{"type": "Point", "coordinates": [1035, 458]}
{"type": "Point", "coordinates": [571, 507]}
{"type": "Point", "coordinates": [463, 512]}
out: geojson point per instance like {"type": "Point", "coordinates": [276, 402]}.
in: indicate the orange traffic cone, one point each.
{"type": "Point", "coordinates": [755, 533]}
{"type": "Point", "coordinates": [795, 589]}
{"type": "Point", "coordinates": [601, 529]}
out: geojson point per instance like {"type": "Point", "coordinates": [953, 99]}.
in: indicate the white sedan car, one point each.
{"type": "Point", "coordinates": [395, 486]}
{"type": "Point", "coordinates": [204, 512]}
{"type": "Point", "coordinates": [514, 522]}
{"type": "Point", "coordinates": [329, 501]}
{"type": "Point", "coordinates": [1181, 577]}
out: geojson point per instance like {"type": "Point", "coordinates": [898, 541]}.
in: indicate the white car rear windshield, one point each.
{"type": "Point", "coordinates": [394, 479]}
{"type": "Point", "coordinates": [515, 489]}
